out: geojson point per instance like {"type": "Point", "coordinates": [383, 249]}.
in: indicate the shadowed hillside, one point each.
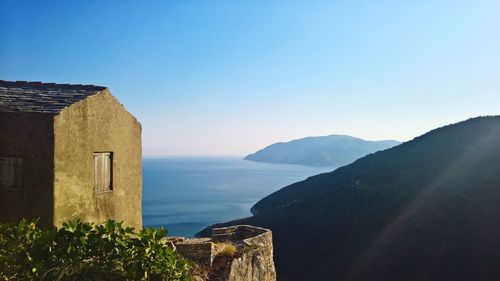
{"type": "Point", "coordinates": [425, 210]}
{"type": "Point", "coordinates": [326, 151]}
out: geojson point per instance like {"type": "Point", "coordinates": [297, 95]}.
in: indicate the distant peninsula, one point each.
{"type": "Point", "coordinates": [323, 151]}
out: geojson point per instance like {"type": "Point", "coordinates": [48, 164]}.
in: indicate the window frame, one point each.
{"type": "Point", "coordinates": [110, 187]}
{"type": "Point", "coordinates": [18, 182]}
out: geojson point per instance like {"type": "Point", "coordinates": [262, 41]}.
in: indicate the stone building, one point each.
{"type": "Point", "coordinates": [67, 152]}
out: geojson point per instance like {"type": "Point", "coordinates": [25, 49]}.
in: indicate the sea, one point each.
{"type": "Point", "coordinates": [186, 194]}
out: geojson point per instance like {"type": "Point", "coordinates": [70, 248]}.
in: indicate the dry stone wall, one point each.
{"type": "Point", "coordinates": [252, 260]}
{"type": "Point", "coordinates": [200, 250]}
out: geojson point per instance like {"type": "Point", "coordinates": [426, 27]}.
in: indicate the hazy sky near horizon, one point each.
{"type": "Point", "coordinates": [229, 77]}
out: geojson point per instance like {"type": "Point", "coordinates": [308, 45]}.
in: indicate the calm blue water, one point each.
{"type": "Point", "coordinates": [186, 194]}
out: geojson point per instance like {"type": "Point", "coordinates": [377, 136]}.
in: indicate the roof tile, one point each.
{"type": "Point", "coordinates": [51, 98]}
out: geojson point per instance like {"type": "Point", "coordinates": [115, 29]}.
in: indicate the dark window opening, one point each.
{"type": "Point", "coordinates": [11, 172]}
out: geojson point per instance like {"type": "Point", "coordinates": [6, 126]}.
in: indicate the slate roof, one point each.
{"type": "Point", "coordinates": [22, 96]}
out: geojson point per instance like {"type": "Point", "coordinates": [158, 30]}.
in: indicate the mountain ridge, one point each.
{"type": "Point", "coordinates": [423, 210]}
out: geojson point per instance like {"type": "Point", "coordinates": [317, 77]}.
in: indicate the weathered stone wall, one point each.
{"type": "Point", "coordinates": [200, 250]}
{"type": "Point", "coordinates": [29, 136]}
{"type": "Point", "coordinates": [256, 263]}
{"type": "Point", "coordinates": [98, 123]}
{"type": "Point", "coordinates": [253, 260]}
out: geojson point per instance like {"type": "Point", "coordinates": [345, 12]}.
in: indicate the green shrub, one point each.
{"type": "Point", "coordinates": [84, 251]}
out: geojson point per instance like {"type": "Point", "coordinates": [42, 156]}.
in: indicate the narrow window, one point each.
{"type": "Point", "coordinates": [11, 172]}
{"type": "Point", "coordinates": [103, 171]}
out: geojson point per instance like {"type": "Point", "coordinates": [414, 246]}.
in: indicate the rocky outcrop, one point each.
{"type": "Point", "coordinates": [235, 253]}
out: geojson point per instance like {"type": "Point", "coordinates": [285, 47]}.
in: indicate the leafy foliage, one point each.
{"type": "Point", "coordinates": [84, 251]}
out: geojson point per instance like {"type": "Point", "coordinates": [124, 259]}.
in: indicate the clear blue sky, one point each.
{"type": "Point", "coordinates": [228, 77]}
